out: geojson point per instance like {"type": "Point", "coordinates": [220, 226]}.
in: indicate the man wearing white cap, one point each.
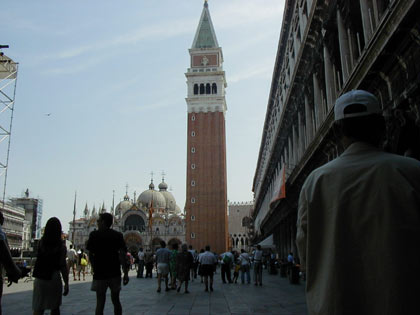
{"type": "Point", "coordinates": [358, 227]}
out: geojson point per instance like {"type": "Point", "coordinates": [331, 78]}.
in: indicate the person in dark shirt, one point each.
{"type": "Point", "coordinates": [107, 253]}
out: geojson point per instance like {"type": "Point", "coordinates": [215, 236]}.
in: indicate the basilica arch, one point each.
{"type": "Point", "coordinates": [133, 241]}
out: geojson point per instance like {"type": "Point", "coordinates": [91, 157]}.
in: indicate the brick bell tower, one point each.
{"type": "Point", "coordinates": [206, 200]}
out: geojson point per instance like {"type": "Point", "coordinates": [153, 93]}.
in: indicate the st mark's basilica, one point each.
{"type": "Point", "coordinates": [144, 221]}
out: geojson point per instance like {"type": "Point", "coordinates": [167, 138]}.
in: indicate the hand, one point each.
{"type": "Point", "coordinates": [66, 289]}
{"type": "Point", "coordinates": [14, 275]}
{"type": "Point", "coordinates": [125, 279]}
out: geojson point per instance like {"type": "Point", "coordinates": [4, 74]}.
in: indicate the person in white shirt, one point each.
{"type": "Point", "coordinates": [194, 266]}
{"type": "Point", "coordinates": [140, 267]}
{"type": "Point", "coordinates": [358, 227]}
{"type": "Point", "coordinates": [258, 255]}
{"type": "Point", "coordinates": [72, 260]}
{"type": "Point", "coordinates": [207, 261]}
{"type": "Point", "coordinates": [245, 260]}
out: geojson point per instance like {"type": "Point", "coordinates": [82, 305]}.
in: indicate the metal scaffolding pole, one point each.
{"type": "Point", "coordinates": [8, 80]}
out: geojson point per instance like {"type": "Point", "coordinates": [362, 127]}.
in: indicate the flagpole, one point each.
{"type": "Point", "coordinates": [74, 217]}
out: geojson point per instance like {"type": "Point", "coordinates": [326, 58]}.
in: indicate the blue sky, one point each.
{"type": "Point", "coordinates": [112, 76]}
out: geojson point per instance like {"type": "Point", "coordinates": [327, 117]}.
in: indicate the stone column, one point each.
{"type": "Point", "coordinates": [329, 78]}
{"type": "Point", "coordinates": [317, 102]}
{"type": "Point", "coordinates": [295, 146]}
{"type": "Point", "coordinates": [367, 26]}
{"type": "Point", "coordinates": [344, 47]}
{"type": "Point", "coordinates": [308, 121]}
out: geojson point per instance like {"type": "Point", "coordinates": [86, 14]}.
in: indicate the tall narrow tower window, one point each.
{"type": "Point", "coordinates": [192, 133]}
{"type": "Point", "coordinates": [201, 88]}
{"type": "Point", "coordinates": [208, 88]}
{"type": "Point", "coordinates": [192, 235]}
{"type": "Point", "coordinates": [193, 166]}
{"type": "Point", "coordinates": [195, 89]}
{"type": "Point", "coordinates": [192, 200]}
{"type": "Point", "coordinates": [192, 150]}
{"type": "Point", "coordinates": [193, 183]}
{"type": "Point", "coordinates": [193, 117]}
{"type": "Point", "coordinates": [214, 88]}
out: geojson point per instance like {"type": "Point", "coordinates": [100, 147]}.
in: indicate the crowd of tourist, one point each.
{"type": "Point", "coordinates": [107, 255]}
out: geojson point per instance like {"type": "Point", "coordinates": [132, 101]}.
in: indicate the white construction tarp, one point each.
{"type": "Point", "coordinates": [7, 68]}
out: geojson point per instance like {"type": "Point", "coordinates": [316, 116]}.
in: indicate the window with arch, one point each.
{"type": "Point", "coordinates": [201, 88]}
{"type": "Point", "coordinates": [193, 235]}
{"type": "Point", "coordinates": [214, 88]}
{"type": "Point", "coordinates": [193, 218]}
{"type": "Point", "coordinates": [192, 133]}
{"type": "Point", "coordinates": [193, 117]}
{"type": "Point", "coordinates": [208, 88]}
{"type": "Point", "coordinates": [193, 150]}
{"type": "Point", "coordinates": [192, 200]}
{"type": "Point", "coordinates": [193, 183]}
{"type": "Point", "coordinates": [193, 166]}
{"type": "Point", "coordinates": [195, 89]}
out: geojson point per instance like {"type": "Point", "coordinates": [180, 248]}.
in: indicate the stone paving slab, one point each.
{"type": "Point", "coordinates": [276, 296]}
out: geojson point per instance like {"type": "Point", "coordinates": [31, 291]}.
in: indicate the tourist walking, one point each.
{"type": "Point", "coordinates": [245, 266]}
{"type": "Point", "coordinates": [194, 265]}
{"type": "Point", "coordinates": [237, 267]}
{"type": "Point", "coordinates": [172, 265]}
{"type": "Point", "coordinates": [162, 265]}
{"type": "Point", "coordinates": [6, 261]}
{"type": "Point", "coordinates": [207, 263]}
{"type": "Point", "coordinates": [257, 258]}
{"type": "Point", "coordinates": [50, 263]}
{"type": "Point", "coordinates": [72, 260]}
{"type": "Point", "coordinates": [184, 261]}
{"type": "Point", "coordinates": [226, 261]}
{"type": "Point", "coordinates": [199, 265]}
{"type": "Point", "coordinates": [358, 227]}
{"type": "Point", "coordinates": [82, 263]}
{"type": "Point", "coordinates": [148, 262]}
{"type": "Point", "coordinates": [140, 267]}
{"type": "Point", "coordinates": [107, 253]}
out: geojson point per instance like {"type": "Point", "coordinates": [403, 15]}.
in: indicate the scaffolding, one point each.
{"type": "Point", "coordinates": [8, 79]}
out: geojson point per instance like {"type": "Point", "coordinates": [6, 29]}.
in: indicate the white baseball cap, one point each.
{"type": "Point", "coordinates": [368, 105]}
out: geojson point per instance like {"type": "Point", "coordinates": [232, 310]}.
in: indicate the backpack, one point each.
{"type": "Point", "coordinates": [226, 259]}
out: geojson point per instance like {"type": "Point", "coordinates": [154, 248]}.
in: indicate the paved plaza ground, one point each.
{"type": "Point", "coordinates": [276, 296]}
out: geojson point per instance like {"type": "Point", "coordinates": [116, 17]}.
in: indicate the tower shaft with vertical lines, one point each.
{"type": "Point", "coordinates": [206, 200]}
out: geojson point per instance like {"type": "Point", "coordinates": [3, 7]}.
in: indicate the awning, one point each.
{"type": "Point", "coordinates": [267, 243]}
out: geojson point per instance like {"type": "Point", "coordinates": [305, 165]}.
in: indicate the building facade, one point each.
{"type": "Point", "coordinates": [33, 212]}
{"type": "Point", "coordinates": [239, 219]}
{"type": "Point", "coordinates": [144, 221]}
{"type": "Point", "coordinates": [327, 48]}
{"type": "Point", "coordinates": [16, 227]}
{"type": "Point", "coordinates": [206, 192]}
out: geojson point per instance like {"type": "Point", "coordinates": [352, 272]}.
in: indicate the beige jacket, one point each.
{"type": "Point", "coordinates": [358, 234]}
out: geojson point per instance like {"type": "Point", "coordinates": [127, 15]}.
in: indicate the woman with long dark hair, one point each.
{"type": "Point", "coordinates": [50, 262]}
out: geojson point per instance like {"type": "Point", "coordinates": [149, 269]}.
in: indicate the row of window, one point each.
{"type": "Point", "coordinates": [205, 88]}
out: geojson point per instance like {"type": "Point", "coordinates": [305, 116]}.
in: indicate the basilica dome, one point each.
{"type": "Point", "coordinates": [123, 206]}
{"type": "Point", "coordinates": [169, 198]}
{"type": "Point", "coordinates": [151, 197]}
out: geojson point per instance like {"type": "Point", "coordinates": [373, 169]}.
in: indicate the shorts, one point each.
{"type": "Point", "coordinates": [162, 269]}
{"type": "Point", "coordinates": [207, 270]}
{"type": "Point", "coordinates": [100, 286]}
